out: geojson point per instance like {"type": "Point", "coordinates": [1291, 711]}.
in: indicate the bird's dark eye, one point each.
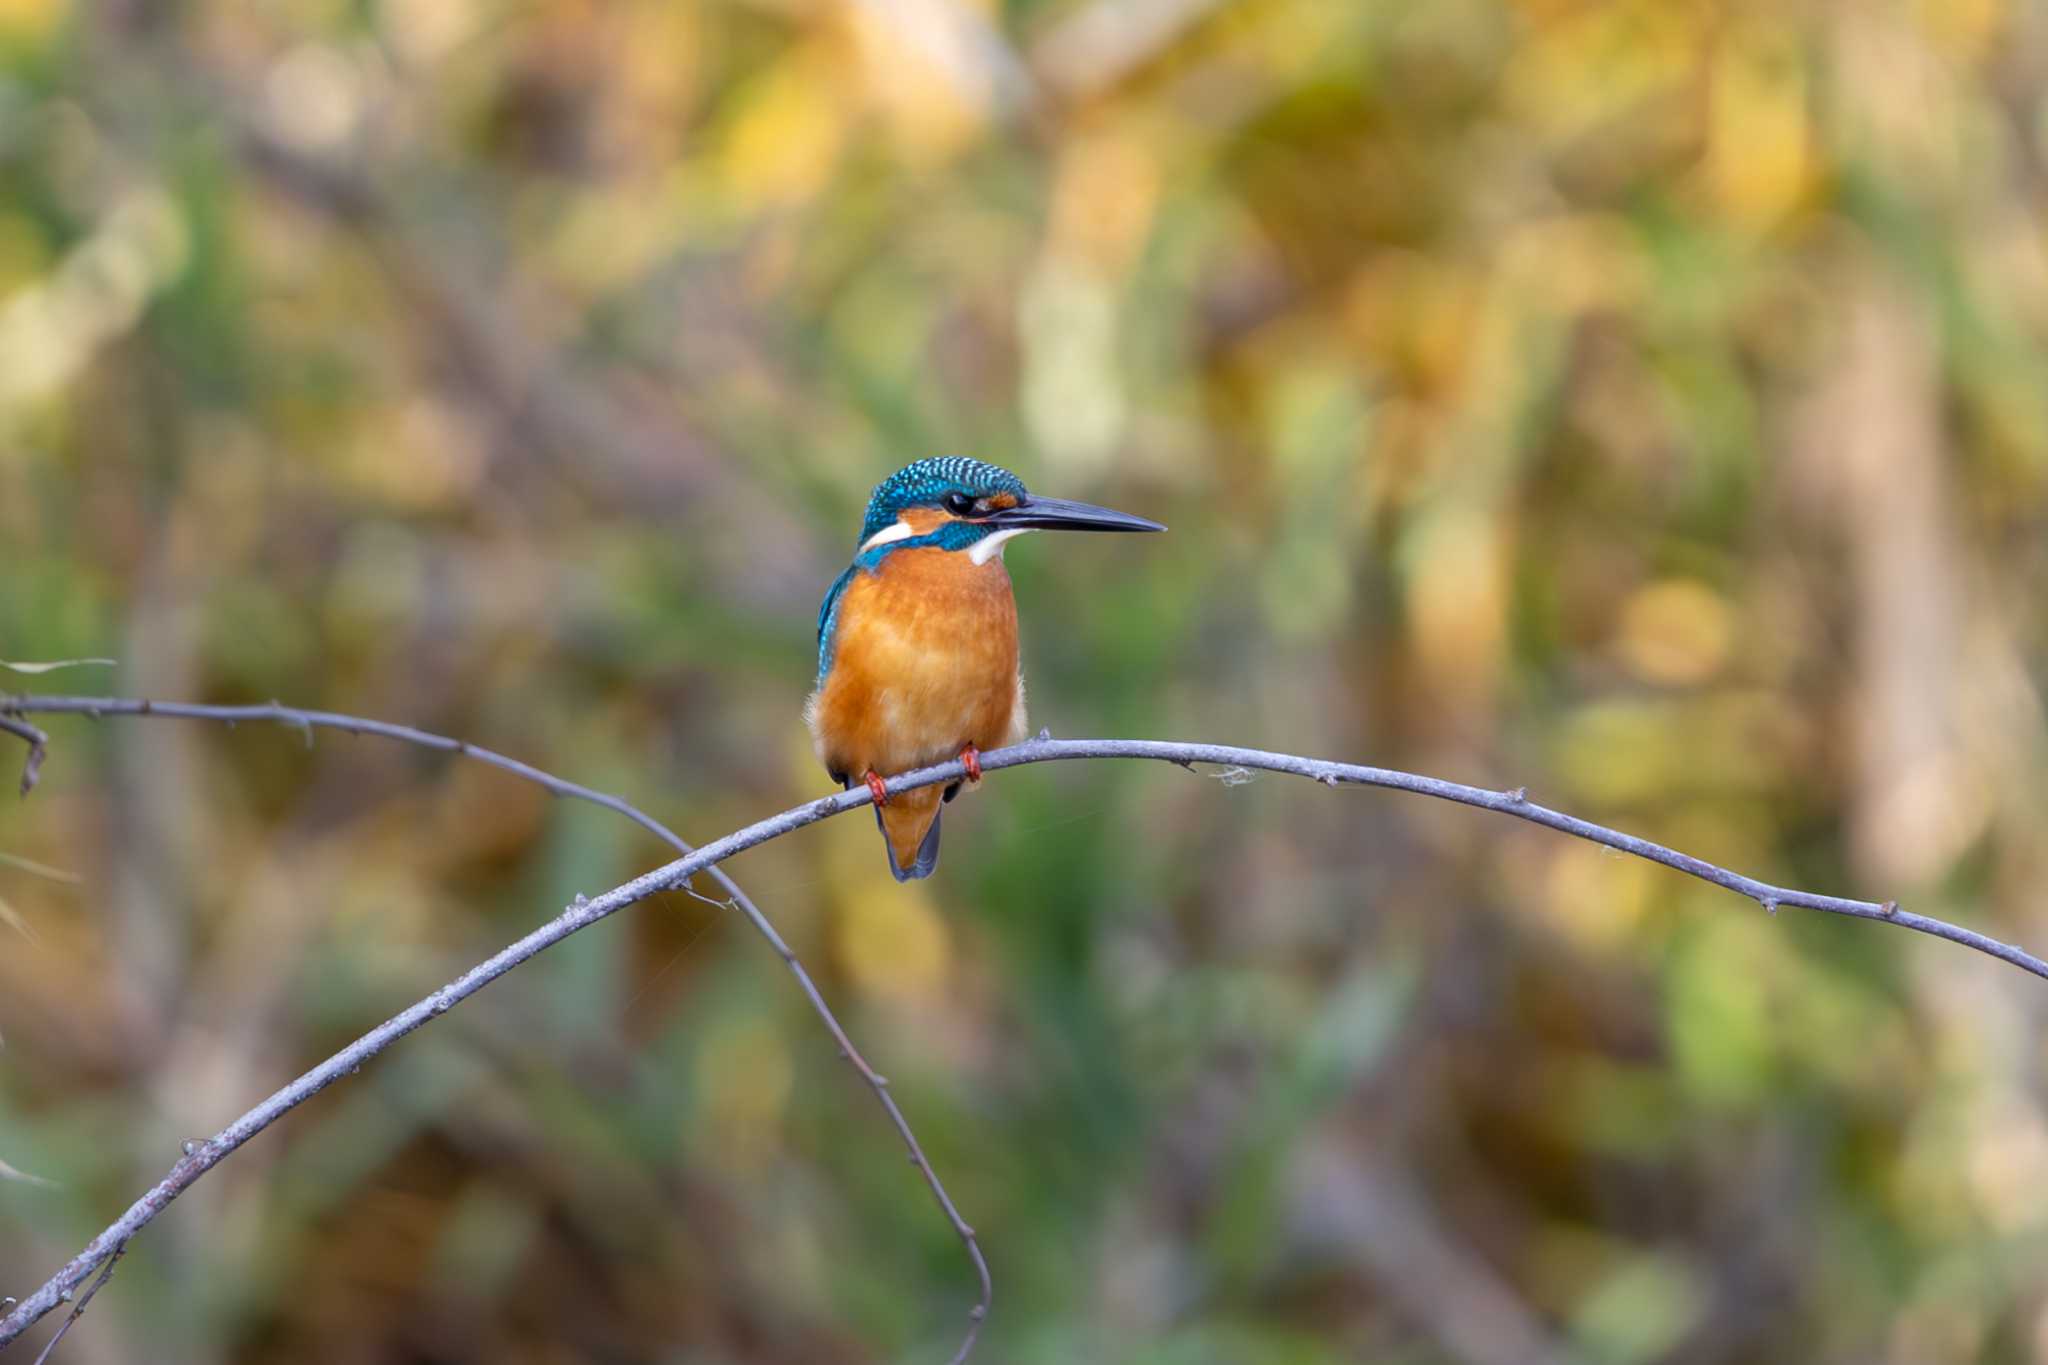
{"type": "Point", "coordinates": [959, 504]}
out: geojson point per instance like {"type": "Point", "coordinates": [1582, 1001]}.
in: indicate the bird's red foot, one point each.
{"type": "Point", "coordinates": [874, 781]}
{"type": "Point", "coordinates": [971, 756]}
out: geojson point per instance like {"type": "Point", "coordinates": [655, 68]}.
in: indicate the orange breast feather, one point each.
{"type": "Point", "coordinates": [924, 661]}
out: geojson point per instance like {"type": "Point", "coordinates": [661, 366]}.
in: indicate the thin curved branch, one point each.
{"type": "Point", "coordinates": [307, 721]}
{"type": "Point", "coordinates": [1517, 804]}
{"type": "Point", "coordinates": [582, 913]}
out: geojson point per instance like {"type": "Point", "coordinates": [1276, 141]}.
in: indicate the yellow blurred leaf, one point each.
{"type": "Point", "coordinates": [1602, 64]}
{"type": "Point", "coordinates": [1594, 898]}
{"type": "Point", "coordinates": [1676, 631]}
{"type": "Point", "coordinates": [1962, 29]}
{"type": "Point", "coordinates": [890, 937]}
{"type": "Point", "coordinates": [788, 136]}
{"type": "Point", "coordinates": [1457, 599]}
{"type": "Point", "coordinates": [29, 18]}
{"type": "Point", "coordinates": [1758, 157]}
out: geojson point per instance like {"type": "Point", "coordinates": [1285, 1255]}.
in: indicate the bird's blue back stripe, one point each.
{"type": "Point", "coordinates": [828, 620]}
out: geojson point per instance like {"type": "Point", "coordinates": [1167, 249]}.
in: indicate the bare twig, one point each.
{"type": "Point", "coordinates": [106, 1273]}
{"type": "Point", "coordinates": [308, 721]}
{"type": "Point", "coordinates": [203, 1156]}
{"type": "Point", "coordinates": [38, 748]}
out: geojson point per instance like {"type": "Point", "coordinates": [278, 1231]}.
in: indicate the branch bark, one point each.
{"type": "Point", "coordinates": [582, 913]}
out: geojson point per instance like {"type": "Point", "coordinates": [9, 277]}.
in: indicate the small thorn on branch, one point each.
{"type": "Point", "coordinates": [292, 720]}
{"type": "Point", "coordinates": [1769, 903]}
{"type": "Point", "coordinates": [1890, 909]}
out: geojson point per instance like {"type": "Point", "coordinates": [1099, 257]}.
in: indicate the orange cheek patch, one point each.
{"type": "Point", "coordinates": [1000, 502]}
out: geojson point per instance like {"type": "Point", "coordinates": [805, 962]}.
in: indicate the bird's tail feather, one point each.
{"type": "Point", "coordinates": [910, 830]}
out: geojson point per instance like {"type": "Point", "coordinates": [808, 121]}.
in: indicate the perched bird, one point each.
{"type": "Point", "coordinates": [917, 640]}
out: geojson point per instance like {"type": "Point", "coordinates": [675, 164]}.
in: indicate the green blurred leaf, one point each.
{"type": "Point", "coordinates": [1640, 1312]}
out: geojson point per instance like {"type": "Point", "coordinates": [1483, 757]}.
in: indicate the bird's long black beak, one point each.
{"type": "Point", "coordinates": [1060, 514]}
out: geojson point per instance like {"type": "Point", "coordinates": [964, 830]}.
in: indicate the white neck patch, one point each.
{"type": "Point", "coordinates": [980, 552]}
{"type": "Point", "coordinates": [991, 546]}
{"type": "Point", "coordinates": [888, 535]}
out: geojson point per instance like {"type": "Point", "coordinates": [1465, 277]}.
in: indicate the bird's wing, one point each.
{"type": "Point", "coordinates": [828, 618]}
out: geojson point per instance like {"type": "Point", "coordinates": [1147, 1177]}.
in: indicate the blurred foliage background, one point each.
{"type": "Point", "coordinates": [1640, 400]}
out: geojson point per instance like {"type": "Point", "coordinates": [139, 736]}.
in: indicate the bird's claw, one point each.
{"type": "Point", "coordinates": [971, 756]}
{"type": "Point", "coordinates": [875, 787]}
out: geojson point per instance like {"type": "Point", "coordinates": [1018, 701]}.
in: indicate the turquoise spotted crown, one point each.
{"type": "Point", "coordinates": [925, 483]}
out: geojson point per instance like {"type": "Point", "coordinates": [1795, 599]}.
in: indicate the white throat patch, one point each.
{"type": "Point", "coordinates": [980, 552]}
{"type": "Point", "coordinates": [888, 535]}
{"type": "Point", "coordinates": [991, 546]}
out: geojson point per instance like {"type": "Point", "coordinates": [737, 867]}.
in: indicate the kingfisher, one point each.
{"type": "Point", "coordinates": [917, 640]}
